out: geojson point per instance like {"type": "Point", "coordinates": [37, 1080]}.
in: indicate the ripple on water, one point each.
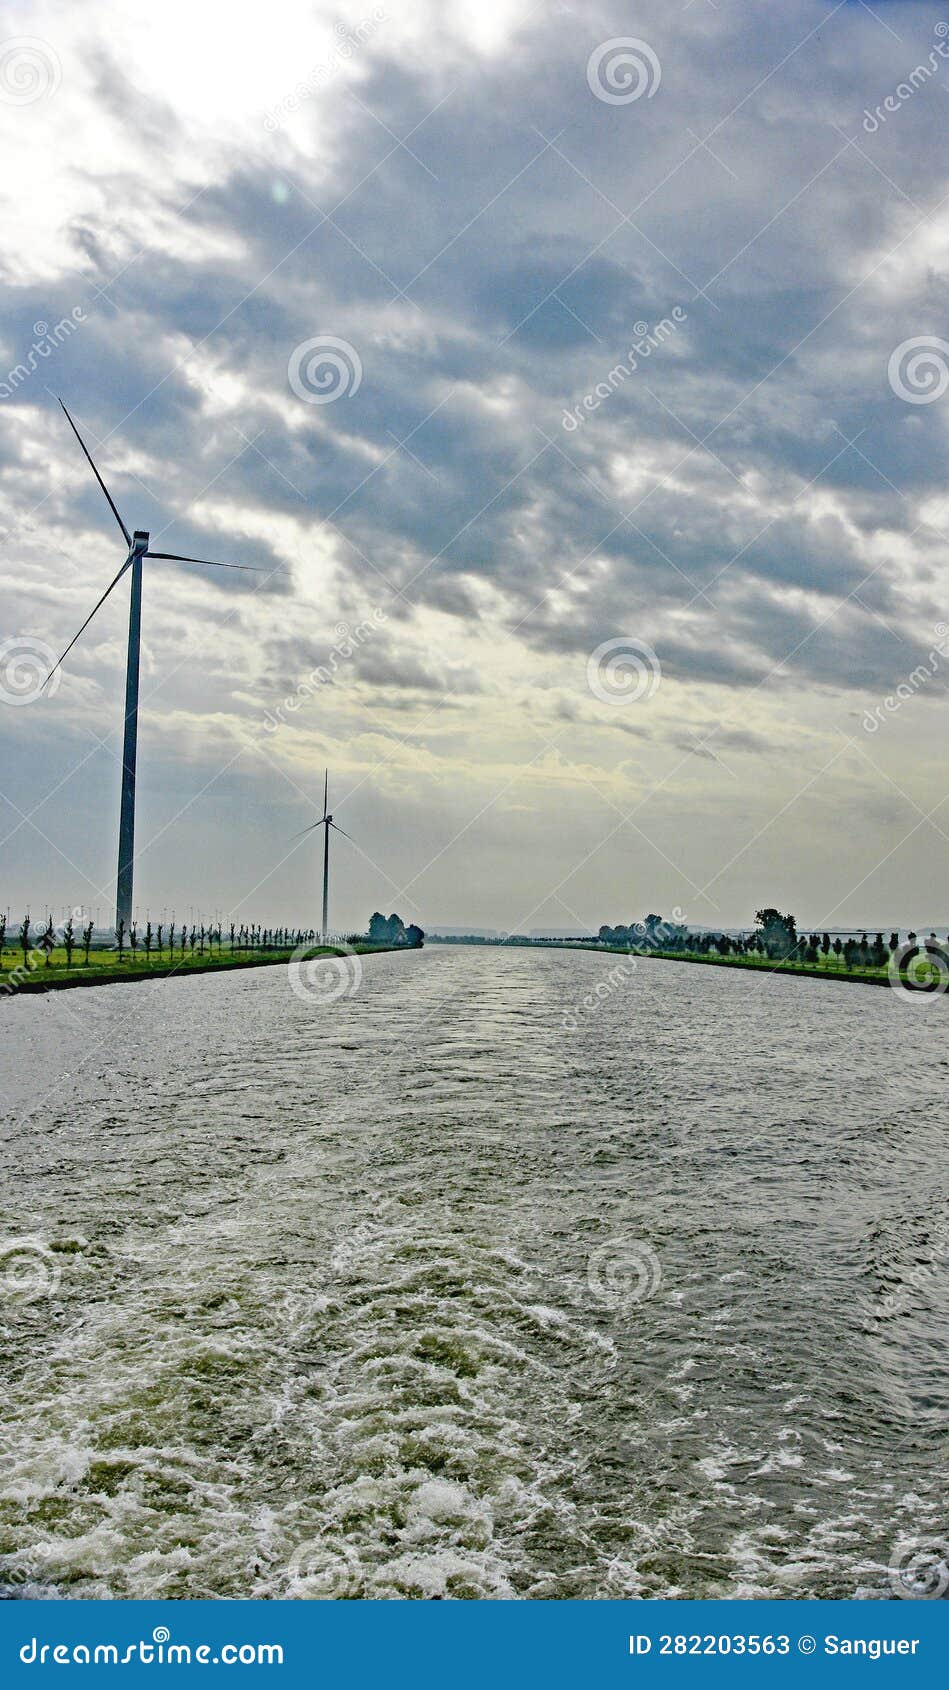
{"type": "Point", "coordinates": [325, 1322]}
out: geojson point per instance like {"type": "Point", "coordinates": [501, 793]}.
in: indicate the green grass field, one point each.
{"type": "Point", "coordinates": [105, 968]}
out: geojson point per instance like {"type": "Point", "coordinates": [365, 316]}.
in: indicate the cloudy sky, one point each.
{"type": "Point", "coordinates": [556, 353]}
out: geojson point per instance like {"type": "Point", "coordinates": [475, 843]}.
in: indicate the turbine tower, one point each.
{"type": "Point", "coordinates": [138, 549]}
{"type": "Point", "coordinates": [326, 821]}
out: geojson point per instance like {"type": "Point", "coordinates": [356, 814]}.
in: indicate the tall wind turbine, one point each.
{"type": "Point", "coordinates": [137, 550]}
{"type": "Point", "coordinates": [326, 821]}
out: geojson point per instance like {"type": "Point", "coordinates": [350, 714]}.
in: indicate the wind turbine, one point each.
{"type": "Point", "coordinates": [137, 550]}
{"type": "Point", "coordinates": [326, 821]}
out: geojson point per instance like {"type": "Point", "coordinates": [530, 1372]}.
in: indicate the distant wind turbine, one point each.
{"type": "Point", "coordinates": [138, 549]}
{"type": "Point", "coordinates": [326, 821]}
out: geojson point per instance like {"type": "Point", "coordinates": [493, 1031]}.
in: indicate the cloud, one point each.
{"type": "Point", "coordinates": [491, 240]}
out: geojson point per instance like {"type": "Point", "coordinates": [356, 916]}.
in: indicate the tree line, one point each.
{"type": "Point", "coordinates": [775, 937]}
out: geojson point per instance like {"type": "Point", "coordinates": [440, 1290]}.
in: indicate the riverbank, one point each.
{"type": "Point", "coordinates": [106, 969]}
{"type": "Point", "coordinates": [769, 965]}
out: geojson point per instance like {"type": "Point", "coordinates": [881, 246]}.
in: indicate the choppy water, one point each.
{"type": "Point", "coordinates": [458, 1286]}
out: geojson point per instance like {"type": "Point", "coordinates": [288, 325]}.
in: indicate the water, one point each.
{"type": "Point", "coordinates": [461, 1286]}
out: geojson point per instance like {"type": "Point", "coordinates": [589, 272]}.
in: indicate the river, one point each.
{"type": "Point", "coordinates": [497, 1273]}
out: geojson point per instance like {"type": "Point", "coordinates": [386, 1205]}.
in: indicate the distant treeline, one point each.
{"type": "Point", "coordinates": [775, 937]}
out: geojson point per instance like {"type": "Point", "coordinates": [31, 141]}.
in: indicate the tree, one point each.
{"type": "Point", "coordinates": [778, 932]}
{"type": "Point", "coordinates": [133, 937]}
{"type": "Point", "coordinates": [378, 928]}
{"type": "Point", "coordinates": [48, 941]}
{"type": "Point", "coordinates": [3, 935]}
{"type": "Point", "coordinates": [148, 941]}
{"type": "Point", "coordinates": [120, 937]}
{"type": "Point", "coordinates": [415, 936]}
{"type": "Point", "coordinates": [837, 948]}
{"type": "Point", "coordinates": [171, 942]}
{"type": "Point", "coordinates": [879, 952]}
{"type": "Point", "coordinates": [25, 940]}
{"type": "Point", "coordinates": [87, 941]}
{"type": "Point", "coordinates": [894, 942]}
{"type": "Point", "coordinates": [69, 940]}
{"type": "Point", "coordinates": [158, 940]}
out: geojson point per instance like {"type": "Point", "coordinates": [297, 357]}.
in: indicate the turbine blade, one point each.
{"type": "Point", "coordinates": [309, 829]}
{"type": "Point", "coordinates": [176, 557]}
{"type": "Point", "coordinates": [126, 565]}
{"type": "Point", "coordinates": [326, 788]}
{"type": "Point", "coordinates": [112, 504]}
{"type": "Point", "coordinates": [342, 830]}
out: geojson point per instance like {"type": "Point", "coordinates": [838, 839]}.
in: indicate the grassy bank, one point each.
{"type": "Point", "coordinates": [768, 965]}
{"type": "Point", "coordinates": [106, 969]}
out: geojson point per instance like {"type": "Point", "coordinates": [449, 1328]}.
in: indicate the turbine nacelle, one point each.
{"type": "Point", "coordinates": [140, 541]}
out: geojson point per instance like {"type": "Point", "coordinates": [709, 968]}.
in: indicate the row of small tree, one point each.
{"type": "Point", "coordinates": [775, 937]}
{"type": "Point", "coordinates": [203, 937]}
